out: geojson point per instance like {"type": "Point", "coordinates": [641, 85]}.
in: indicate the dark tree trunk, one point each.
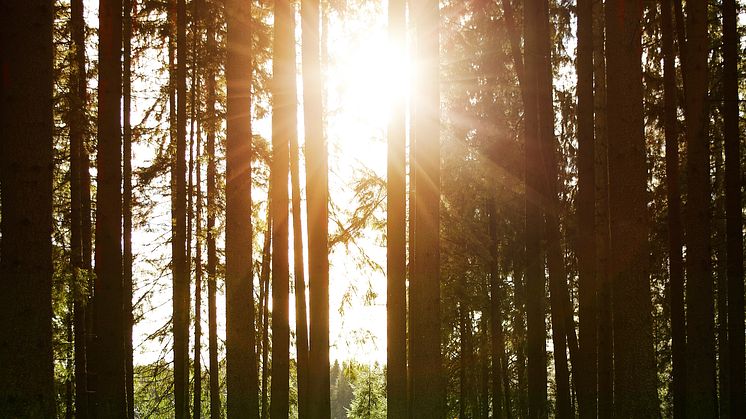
{"type": "Point", "coordinates": [586, 369]}
{"type": "Point", "coordinates": [77, 123]}
{"type": "Point", "coordinates": [635, 372]}
{"type": "Point", "coordinates": [211, 120]}
{"type": "Point", "coordinates": [396, 241]}
{"type": "Point", "coordinates": [240, 332]}
{"type": "Point", "coordinates": [535, 281]}
{"type": "Point", "coordinates": [197, 394]}
{"type": "Point", "coordinates": [701, 396]}
{"type": "Point", "coordinates": [318, 201]}
{"type": "Point", "coordinates": [26, 169]}
{"type": "Point", "coordinates": [283, 105]}
{"type": "Point", "coordinates": [127, 207]}
{"type": "Point", "coordinates": [179, 240]}
{"type": "Point", "coordinates": [734, 224]}
{"type": "Point", "coordinates": [428, 397]}
{"type": "Point", "coordinates": [673, 195]}
{"type": "Point", "coordinates": [603, 290]}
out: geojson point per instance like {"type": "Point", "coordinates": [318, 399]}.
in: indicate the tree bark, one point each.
{"type": "Point", "coordinates": [396, 241]}
{"type": "Point", "coordinates": [211, 120]}
{"type": "Point", "coordinates": [701, 396]}
{"type": "Point", "coordinates": [500, 392]}
{"type": "Point", "coordinates": [283, 105]}
{"type": "Point", "coordinates": [428, 398]}
{"type": "Point", "coordinates": [26, 170]}
{"type": "Point", "coordinates": [317, 190]}
{"type": "Point", "coordinates": [586, 369]}
{"type": "Point", "coordinates": [127, 279]}
{"type": "Point", "coordinates": [240, 336]}
{"type": "Point", "coordinates": [634, 359]}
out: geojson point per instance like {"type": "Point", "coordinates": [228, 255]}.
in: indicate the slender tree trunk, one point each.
{"type": "Point", "coordinates": [197, 406]}
{"type": "Point", "coordinates": [299, 274]}
{"type": "Point", "coordinates": [736, 398]}
{"type": "Point", "coordinates": [179, 239]}
{"type": "Point", "coordinates": [396, 241]}
{"type": "Point", "coordinates": [317, 190]}
{"type": "Point", "coordinates": [701, 396]}
{"type": "Point", "coordinates": [108, 319]}
{"type": "Point", "coordinates": [497, 340]}
{"type": "Point", "coordinates": [673, 195]}
{"type": "Point", "coordinates": [211, 120]}
{"type": "Point", "coordinates": [264, 280]}
{"type": "Point", "coordinates": [428, 398]}
{"type": "Point", "coordinates": [283, 105]}
{"type": "Point", "coordinates": [127, 207]}
{"type": "Point", "coordinates": [634, 373]}
{"type": "Point", "coordinates": [240, 336]}
{"type": "Point", "coordinates": [535, 282]}
{"type": "Point", "coordinates": [77, 124]}
{"type": "Point", "coordinates": [603, 290]}
{"type": "Point", "coordinates": [585, 370]}
{"type": "Point", "coordinates": [26, 170]}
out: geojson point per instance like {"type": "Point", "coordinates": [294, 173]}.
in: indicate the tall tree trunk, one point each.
{"type": "Point", "coordinates": [396, 240]}
{"type": "Point", "coordinates": [535, 282]}
{"type": "Point", "coordinates": [283, 105]}
{"type": "Point", "coordinates": [127, 279]}
{"type": "Point", "coordinates": [179, 240]}
{"type": "Point", "coordinates": [197, 406]}
{"type": "Point", "coordinates": [603, 290]}
{"type": "Point", "coordinates": [701, 396]}
{"type": "Point", "coordinates": [673, 195]}
{"type": "Point", "coordinates": [428, 398]}
{"type": "Point", "coordinates": [264, 281]}
{"type": "Point", "coordinates": [26, 170]}
{"type": "Point", "coordinates": [240, 336]}
{"type": "Point", "coordinates": [317, 190]}
{"type": "Point", "coordinates": [77, 124]}
{"type": "Point", "coordinates": [736, 398]}
{"type": "Point", "coordinates": [108, 318]}
{"type": "Point", "coordinates": [211, 120]}
{"type": "Point", "coordinates": [586, 369]}
{"type": "Point", "coordinates": [634, 359]}
{"type": "Point", "coordinates": [299, 274]}
{"type": "Point", "coordinates": [500, 394]}
{"type": "Point", "coordinates": [721, 296]}
{"type": "Point", "coordinates": [519, 320]}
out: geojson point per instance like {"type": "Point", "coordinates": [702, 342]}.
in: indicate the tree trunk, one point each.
{"type": "Point", "coordinates": [77, 123]}
{"type": "Point", "coordinates": [317, 204]}
{"type": "Point", "coordinates": [586, 369]}
{"type": "Point", "coordinates": [127, 207]}
{"type": "Point", "coordinates": [603, 290]}
{"type": "Point", "coordinates": [701, 396]}
{"type": "Point", "coordinates": [720, 273]}
{"type": "Point", "coordinates": [283, 105]}
{"type": "Point", "coordinates": [396, 241]}
{"type": "Point", "coordinates": [299, 272]}
{"type": "Point", "coordinates": [500, 391]}
{"type": "Point", "coordinates": [197, 406]}
{"type": "Point", "coordinates": [26, 169]}
{"type": "Point", "coordinates": [734, 224]}
{"type": "Point", "coordinates": [211, 120]}
{"type": "Point", "coordinates": [535, 282]}
{"type": "Point", "coordinates": [634, 359]}
{"type": "Point", "coordinates": [264, 281]}
{"type": "Point", "coordinates": [179, 240]}
{"type": "Point", "coordinates": [673, 195]}
{"type": "Point", "coordinates": [240, 336]}
{"type": "Point", "coordinates": [428, 398]}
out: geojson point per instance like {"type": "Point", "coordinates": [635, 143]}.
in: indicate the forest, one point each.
{"type": "Point", "coordinates": [402, 209]}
